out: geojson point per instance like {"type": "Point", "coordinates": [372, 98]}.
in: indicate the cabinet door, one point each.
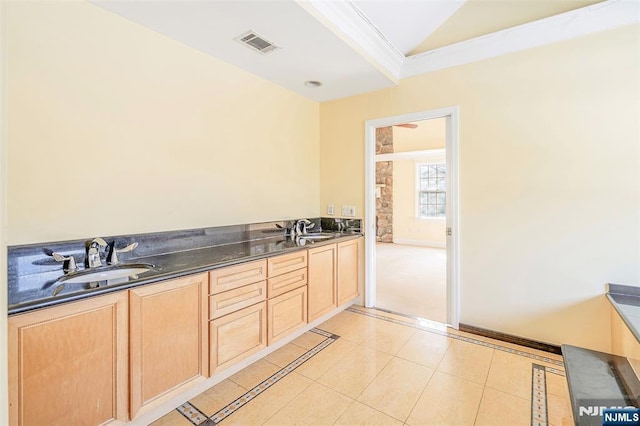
{"type": "Point", "coordinates": [68, 364]}
{"type": "Point", "coordinates": [286, 313]}
{"type": "Point", "coordinates": [348, 270]}
{"type": "Point", "coordinates": [237, 335]}
{"type": "Point", "coordinates": [322, 280]}
{"type": "Point", "coordinates": [169, 342]}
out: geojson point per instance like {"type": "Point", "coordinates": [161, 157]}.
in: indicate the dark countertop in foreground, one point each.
{"type": "Point", "coordinates": [36, 291]}
{"type": "Point", "coordinates": [601, 380]}
{"type": "Point", "coordinates": [597, 379]}
{"type": "Point", "coordinates": [626, 300]}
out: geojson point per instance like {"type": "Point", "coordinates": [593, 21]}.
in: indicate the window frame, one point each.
{"type": "Point", "coordinates": [417, 191]}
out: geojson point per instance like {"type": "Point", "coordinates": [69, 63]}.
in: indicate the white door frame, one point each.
{"type": "Point", "coordinates": [453, 241]}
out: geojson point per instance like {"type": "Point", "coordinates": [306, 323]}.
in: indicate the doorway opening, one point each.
{"type": "Point", "coordinates": [410, 219]}
{"type": "Point", "coordinates": [411, 238]}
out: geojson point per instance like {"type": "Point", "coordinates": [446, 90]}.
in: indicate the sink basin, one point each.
{"type": "Point", "coordinates": [106, 273]}
{"type": "Point", "coordinates": [321, 236]}
{"type": "Point", "coordinates": [305, 239]}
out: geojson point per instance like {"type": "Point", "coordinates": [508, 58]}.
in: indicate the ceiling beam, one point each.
{"type": "Point", "coordinates": [349, 23]}
{"type": "Point", "coordinates": [576, 23]}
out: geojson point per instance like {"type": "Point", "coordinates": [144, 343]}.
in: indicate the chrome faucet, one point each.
{"type": "Point", "coordinates": [92, 260]}
{"type": "Point", "coordinates": [69, 262]}
{"type": "Point", "coordinates": [300, 227]}
{"type": "Point", "coordinates": [112, 257]}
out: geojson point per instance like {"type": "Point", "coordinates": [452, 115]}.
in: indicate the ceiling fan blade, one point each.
{"type": "Point", "coordinates": [407, 125]}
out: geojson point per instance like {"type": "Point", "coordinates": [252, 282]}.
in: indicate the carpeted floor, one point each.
{"type": "Point", "coordinates": [412, 280]}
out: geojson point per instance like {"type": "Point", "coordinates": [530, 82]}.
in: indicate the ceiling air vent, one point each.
{"type": "Point", "coordinates": [256, 42]}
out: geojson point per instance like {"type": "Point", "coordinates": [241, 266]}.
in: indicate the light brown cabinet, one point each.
{"type": "Point", "coordinates": [238, 311]}
{"type": "Point", "coordinates": [68, 363]}
{"type": "Point", "coordinates": [322, 280]}
{"type": "Point", "coordinates": [278, 265]}
{"type": "Point", "coordinates": [286, 282]}
{"type": "Point", "coordinates": [237, 335]}
{"type": "Point", "coordinates": [348, 273]}
{"type": "Point", "coordinates": [168, 337]}
{"type": "Point", "coordinates": [112, 358]}
{"type": "Point", "coordinates": [230, 301]}
{"type": "Point", "coordinates": [286, 313]}
{"type": "Point", "coordinates": [287, 292]}
{"type": "Point", "coordinates": [231, 277]}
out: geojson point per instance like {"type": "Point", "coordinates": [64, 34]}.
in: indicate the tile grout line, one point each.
{"type": "Point", "coordinates": [539, 407]}
{"type": "Point", "coordinates": [484, 388]}
{"type": "Point", "coordinates": [385, 366]}
{"type": "Point", "coordinates": [200, 419]}
{"type": "Point", "coordinates": [423, 390]}
{"type": "Point", "coordinates": [435, 370]}
{"type": "Point", "coordinates": [355, 399]}
{"type": "Point", "coordinates": [464, 339]}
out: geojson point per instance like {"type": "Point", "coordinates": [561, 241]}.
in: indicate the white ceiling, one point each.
{"type": "Point", "coordinates": [357, 46]}
{"type": "Point", "coordinates": [310, 51]}
{"type": "Point", "coordinates": [407, 23]}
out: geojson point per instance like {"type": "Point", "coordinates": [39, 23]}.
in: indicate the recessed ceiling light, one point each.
{"type": "Point", "coordinates": [312, 83]}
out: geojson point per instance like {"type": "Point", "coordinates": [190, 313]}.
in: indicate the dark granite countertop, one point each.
{"type": "Point", "coordinates": [626, 300]}
{"type": "Point", "coordinates": [35, 290]}
{"type": "Point", "coordinates": [597, 379]}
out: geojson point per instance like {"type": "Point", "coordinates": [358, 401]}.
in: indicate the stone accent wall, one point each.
{"type": "Point", "coordinates": [384, 140]}
{"type": "Point", "coordinates": [384, 203]}
{"type": "Point", "coordinates": [384, 175]}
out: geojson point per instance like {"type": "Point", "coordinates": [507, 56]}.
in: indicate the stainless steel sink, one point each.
{"type": "Point", "coordinates": [321, 236]}
{"type": "Point", "coordinates": [106, 273]}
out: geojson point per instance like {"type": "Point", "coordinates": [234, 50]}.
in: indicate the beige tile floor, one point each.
{"type": "Point", "coordinates": [412, 280]}
{"type": "Point", "coordinates": [381, 372]}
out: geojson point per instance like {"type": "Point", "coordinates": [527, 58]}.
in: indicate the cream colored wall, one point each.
{"type": "Point", "coordinates": [549, 179]}
{"type": "Point", "coordinates": [116, 129]}
{"type": "Point", "coordinates": [407, 227]}
{"type": "Point", "coordinates": [4, 395]}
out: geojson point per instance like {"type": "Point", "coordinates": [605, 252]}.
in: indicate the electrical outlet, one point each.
{"type": "Point", "coordinates": [331, 209]}
{"type": "Point", "coordinates": [349, 211]}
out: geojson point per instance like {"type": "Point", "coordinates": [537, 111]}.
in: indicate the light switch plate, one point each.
{"type": "Point", "coordinates": [349, 211]}
{"type": "Point", "coordinates": [331, 209]}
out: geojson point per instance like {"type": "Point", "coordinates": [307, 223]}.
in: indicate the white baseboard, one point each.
{"type": "Point", "coordinates": [425, 243]}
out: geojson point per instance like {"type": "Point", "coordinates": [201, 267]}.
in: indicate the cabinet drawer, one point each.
{"type": "Point", "coordinates": [279, 265]}
{"type": "Point", "coordinates": [231, 277]}
{"type": "Point", "coordinates": [286, 282]}
{"type": "Point", "coordinates": [237, 335]}
{"type": "Point", "coordinates": [230, 301]}
{"type": "Point", "coordinates": [286, 313]}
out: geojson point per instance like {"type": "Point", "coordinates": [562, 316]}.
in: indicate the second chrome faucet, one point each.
{"type": "Point", "coordinates": [92, 259]}
{"type": "Point", "coordinates": [300, 227]}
